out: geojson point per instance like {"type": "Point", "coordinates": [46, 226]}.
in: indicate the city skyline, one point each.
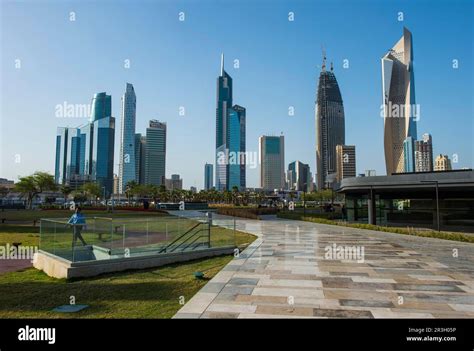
{"type": "Point", "coordinates": [369, 155]}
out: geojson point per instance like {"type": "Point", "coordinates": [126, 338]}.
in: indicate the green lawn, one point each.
{"type": "Point", "coordinates": [151, 293]}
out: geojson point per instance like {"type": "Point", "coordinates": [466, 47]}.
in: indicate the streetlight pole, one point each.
{"type": "Point", "coordinates": [437, 200]}
{"type": "Point", "coordinates": [304, 200]}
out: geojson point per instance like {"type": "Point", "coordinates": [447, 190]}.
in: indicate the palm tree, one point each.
{"type": "Point", "coordinates": [163, 193]}
{"type": "Point", "coordinates": [130, 189]}
{"type": "Point", "coordinates": [235, 194]}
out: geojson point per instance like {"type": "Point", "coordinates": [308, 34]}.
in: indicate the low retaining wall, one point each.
{"type": "Point", "coordinates": [58, 267]}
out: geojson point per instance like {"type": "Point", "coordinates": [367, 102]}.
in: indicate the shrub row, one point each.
{"type": "Point", "coordinates": [406, 231]}
{"type": "Point", "coordinates": [252, 213]}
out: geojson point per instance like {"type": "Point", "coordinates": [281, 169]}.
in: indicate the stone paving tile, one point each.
{"type": "Point", "coordinates": [220, 315]}
{"type": "Point", "coordinates": [366, 303]}
{"type": "Point", "coordinates": [285, 274]}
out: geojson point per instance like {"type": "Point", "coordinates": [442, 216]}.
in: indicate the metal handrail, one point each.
{"type": "Point", "coordinates": [165, 249]}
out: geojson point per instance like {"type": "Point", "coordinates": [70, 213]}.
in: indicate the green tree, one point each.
{"type": "Point", "coordinates": [91, 190]}
{"type": "Point", "coordinates": [66, 190]}
{"type": "Point", "coordinates": [130, 189]}
{"type": "Point", "coordinates": [35, 184]}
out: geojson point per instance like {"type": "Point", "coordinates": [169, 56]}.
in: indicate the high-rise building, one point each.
{"type": "Point", "coordinates": [142, 161]}
{"type": "Point", "coordinates": [73, 152]}
{"type": "Point", "coordinates": [424, 154]}
{"type": "Point", "coordinates": [174, 183]}
{"type": "Point", "coordinates": [442, 163]}
{"type": "Point", "coordinates": [85, 165]}
{"type": "Point", "coordinates": [208, 176]}
{"type": "Point", "coordinates": [230, 136]}
{"type": "Point", "coordinates": [61, 155]}
{"type": "Point", "coordinates": [140, 144]}
{"type": "Point", "coordinates": [409, 155]}
{"type": "Point", "coordinates": [330, 125]}
{"type": "Point", "coordinates": [101, 106]}
{"type": "Point", "coordinates": [86, 153]}
{"type": "Point", "coordinates": [346, 162]}
{"type": "Point", "coordinates": [103, 153]}
{"type": "Point", "coordinates": [272, 162]}
{"type": "Point", "coordinates": [299, 177]}
{"type": "Point", "coordinates": [127, 164]}
{"type": "Point", "coordinates": [155, 153]}
{"type": "Point", "coordinates": [399, 107]}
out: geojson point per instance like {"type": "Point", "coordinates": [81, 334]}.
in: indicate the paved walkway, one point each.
{"type": "Point", "coordinates": [287, 273]}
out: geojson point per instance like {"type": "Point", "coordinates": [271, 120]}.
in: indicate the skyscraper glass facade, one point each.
{"type": "Point", "coordinates": [127, 164]}
{"type": "Point", "coordinates": [73, 152]}
{"type": "Point", "coordinates": [103, 153]}
{"type": "Point", "coordinates": [208, 176]}
{"type": "Point", "coordinates": [272, 162]}
{"type": "Point", "coordinates": [330, 125]}
{"type": "Point", "coordinates": [155, 154]}
{"type": "Point", "coordinates": [101, 106]}
{"type": "Point", "coordinates": [409, 155]}
{"type": "Point", "coordinates": [399, 107]}
{"type": "Point", "coordinates": [230, 136]}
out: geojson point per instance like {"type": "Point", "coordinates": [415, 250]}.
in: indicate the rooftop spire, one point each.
{"type": "Point", "coordinates": [324, 58]}
{"type": "Point", "coordinates": [222, 64]}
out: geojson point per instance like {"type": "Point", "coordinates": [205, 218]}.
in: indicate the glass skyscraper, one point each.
{"type": "Point", "coordinates": [230, 136]}
{"type": "Point", "coordinates": [86, 153]}
{"type": "Point", "coordinates": [103, 153]}
{"type": "Point", "coordinates": [73, 152]}
{"type": "Point", "coordinates": [101, 106]}
{"type": "Point", "coordinates": [272, 162]}
{"type": "Point", "coordinates": [299, 176]}
{"type": "Point", "coordinates": [127, 165]}
{"type": "Point", "coordinates": [155, 153]}
{"type": "Point", "coordinates": [61, 155]}
{"type": "Point", "coordinates": [409, 155]}
{"type": "Point", "coordinates": [330, 125]}
{"type": "Point", "coordinates": [398, 84]}
{"type": "Point", "coordinates": [208, 176]}
{"type": "Point", "coordinates": [85, 164]}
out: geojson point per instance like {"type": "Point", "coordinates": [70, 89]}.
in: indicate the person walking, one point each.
{"type": "Point", "coordinates": [77, 221]}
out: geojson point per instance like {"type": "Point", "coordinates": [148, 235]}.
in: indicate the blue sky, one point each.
{"type": "Point", "coordinates": [175, 63]}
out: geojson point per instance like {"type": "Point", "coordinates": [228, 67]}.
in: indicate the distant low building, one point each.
{"type": "Point", "coordinates": [175, 183]}
{"type": "Point", "coordinates": [345, 162]}
{"type": "Point", "coordinates": [442, 163]}
{"type": "Point", "coordinates": [8, 184]}
{"type": "Point", "coordinates": [424, 154]}
{"type": "Point", "coordinates": [299, 177]}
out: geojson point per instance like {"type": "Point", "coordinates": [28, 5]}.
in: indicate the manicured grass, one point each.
{"type": "Point", "coordinates": [398, 230]}
{"type": "Point", "coordinates": [151, 293]}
